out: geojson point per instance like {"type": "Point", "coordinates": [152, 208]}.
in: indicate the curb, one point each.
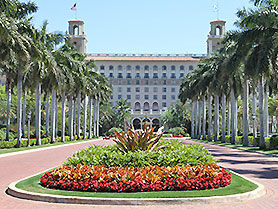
{"type": "Point", "coordinates": [237, 148]}
{"type": "Point", "coordinates": [15, 192]}
{"type": "Point", "coordinates": [45, 148]}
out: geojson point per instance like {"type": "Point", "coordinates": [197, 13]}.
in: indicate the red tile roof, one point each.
{"type": "Point", "coordinates": [143, 59]}
{"type": "Point", "coordinates": [76, 20]}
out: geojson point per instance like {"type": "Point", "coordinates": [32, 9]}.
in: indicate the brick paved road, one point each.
{"type": "Point", "coordinates": [260, 168]}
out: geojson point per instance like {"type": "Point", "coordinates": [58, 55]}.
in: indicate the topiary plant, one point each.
{"type": "Point", "coordinates": [132, 140]}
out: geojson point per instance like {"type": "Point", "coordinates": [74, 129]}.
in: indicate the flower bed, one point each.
{"type": "Point", "coordinates": [133, 179]}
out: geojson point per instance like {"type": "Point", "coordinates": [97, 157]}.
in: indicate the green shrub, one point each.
{"type": "Point", "coordinates": [167, 135]}
{"type": "Point", "coordinates": [112, 131]}
{"type": "Point", "coordinates": [177, 131]}
{"type": "Point", "coordinates": [273, 144]}
{"type": "Point", "coordinates": [170, 153]}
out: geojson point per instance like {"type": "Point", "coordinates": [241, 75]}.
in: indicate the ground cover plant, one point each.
{"type": "Point", "coordinates": [138, 162]}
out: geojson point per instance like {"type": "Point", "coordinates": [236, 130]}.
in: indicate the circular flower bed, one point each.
{"type": "Point", "coordinates": [133, 179]}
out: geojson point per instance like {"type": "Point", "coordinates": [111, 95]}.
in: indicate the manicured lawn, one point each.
{"type": "Point", "coordinates": [4, 151]}
{"type": "Point", "coordinates": [240, 146]}
{"type": "Point", "coordinates": [238, 185]}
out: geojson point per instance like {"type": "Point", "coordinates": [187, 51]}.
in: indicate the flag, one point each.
{"type": "Point", "coordinates": [73, 7]}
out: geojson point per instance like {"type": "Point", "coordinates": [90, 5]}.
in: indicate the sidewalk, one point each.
{"type": "Point", "coordinates": [262, 169]}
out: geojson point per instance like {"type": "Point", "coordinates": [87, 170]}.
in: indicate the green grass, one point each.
{"type": "Point", "coordinates": [10, 150]}
{"type": "Point", "coordinates": [240, 146]}
{"type": "Point", "coordinates": [238, 185]}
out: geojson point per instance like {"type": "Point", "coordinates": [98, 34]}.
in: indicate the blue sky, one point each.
{"type": "Point", "coordinates": [145, 26]}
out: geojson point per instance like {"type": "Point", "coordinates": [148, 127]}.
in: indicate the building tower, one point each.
{"type": "Point", "coordinates": [215, 36]}
{"type": "Point", "coordinates": [77, 35]}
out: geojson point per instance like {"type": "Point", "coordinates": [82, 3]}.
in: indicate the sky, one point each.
{"type": "Point", "coordinates": [145, 26]}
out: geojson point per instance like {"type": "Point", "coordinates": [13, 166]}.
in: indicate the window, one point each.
{"type": "Point", "coordinates": [137, 82]}
{"type": "Point", "coordinates": [137, 68]}
{"type": "Point", "coordinates": [173, 82]}
{"type": "Point", "coordinates": [128, 82]}
{"type": "Point", "coordinates": [110, 82]}
{"type": "Point", "coordinates": [154, 96]}
{"type": "Point", "coordinates": [146, 67]}
{"type": "Point", "coordinates": [128, 96]}
{"type": "Point", "coordinates": [163, 97]}
{"type": "Point", "coordinates": [181, 75]}
{"type": "Point", "coordinates": [146, 89]}
{"type": "Point", "coordinates": [173, 67]}
{"type": "Point", "coordinates": [164, 67]}
{"type": "Point", "coordinates": [111, 97]}
{"type": "Point", "coordinates": [146, 97]}
{"type": "Point", "coordinates": [137, 97]}
{"type": "Point", "coordinates": [155, 89]}
{"type": "Point", "coordinates": [128, 89]}
{"type": "Point", "coordinates": [128, 75]}
{"type": "Point", "coordinates": [137, 75]}
{"type": "Point", "coordinates": [137, 106]}
{"type": "Point", "coordinates": [111, 67]}
{"type": "Point", "coordinates": [119, 82]}
{"type": "Point", "coordinates": [173, 90]}
{"type": "Point", "coordinates": [164, 75]}
{"type": "Point", "coordinates": [155, 106]}
{"type": "Point", "coordinates": [155, 68]}
{"type": "Point", "coordinates": [181, 67]}
{"type": "Point", "coordinates": [101, 73]}
{"type": "Point", "coordinates": [164, 89]}
{"type": "Point", "coordinates": [119, 89]}
{"type": "Point", "coordinates": [146, 106]}
{"type": "Point", "coordinates": [155, 82]}
{"type": "Point", "coordinates": [137, 89]}
{"type": "Point", "coordinates": [146, 82]}
{"type": "Point", "coordinates": [128, 68]}
{"type": "Point", "coordinates": [155, 75]}
{"type": "Point", "coordinates": [120, 75]}
{"type": "Point", "coordinates": [102, 67]}
{"type": "Point", "coordinates": [146, 75]}
{"type": "Point", "coordinates": [173, 75]}
{"type": "Point", "coordinates": [164, 82]}
{"type": "Point", "coordinates": [111, 75]}
{"type": "Point", "coordinates": [119, 96]}
{"type": "Point", "coordinates": [120, 67]}
{"type": "Point", "coordinates": [190, 67]}
{"type": "Point", "coordinates": [173, 97]}
{"type": "Point", "coordinates": [164, 104]}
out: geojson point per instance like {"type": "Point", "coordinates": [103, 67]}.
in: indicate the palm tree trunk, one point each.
{"type": "Point", "coordinates": [209, 117]}
{"type": "Point", "coordinates": [216, 118]}
{"type": "Point", "coordinates": [47, 113]}
{"type": "Point", "coordinates": [53, 116]}
{"type": "Point", "coordinates": [245, 113]}
{"type": "Point", "coordinates": [70, 118]}
{"type": "Point", "coordinates": [196, 118]}
{"type": "Point", "coordinates": [24, 113]}
{"type": "Point", "coordinates": [63, 117]}
{"type": "Point", "coordinates": [8, 122]}
{"type": "Point", "coordinates": [90, 117]}
{"type": "Point", "coordinates": [56, 117]}
{"type": "Point", "coordinates": [266, 115]}
{"type": "Point", "coordinates": [192, 119]}
{"type": "Point", "coordinates": [74, 117]}
{"type": "Point", "coordinates": [98, 117]}
{"type": "Point", "coordinates": [85, 117]}
{"type": "Point", "coordinates": [38, 113]}
{"type": "Point", "coordinates": [204, 119]}
{"type": "Point", "coordinates": [229, 118]}
{"type": "Point", "coordinates": [261, 104]}
{"type": "Point", "coordinates": [223, 118]}
{"type": "Point", "coordinates": [19, 107]}
{"type": "Point", "coordinates": [254, 107]}
{"type": "Point", "coordinates": [95, 118]}
{"type": "Point", "coordinates": [200, 120]}
{"type": "Point", "coordinates": [78, 115]}
{"type": "Point", "coordinates": [233, 116]}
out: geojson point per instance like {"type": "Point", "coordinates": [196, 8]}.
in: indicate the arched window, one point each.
{"type": "Point", "coordinates": [102, 67]}
{"type": "Point", "coordinates": [173, 67]}
{"type": "Point", "coordinates": [120, 67]}
{"type": "Point", "coordinates": [155, 124]}
{"type": "Point", "coordinates": [111, 67]}
{"type": "Point", "coordinates": [190, 67]}
{"type": "Point", "coordinates": [164, 67]}
{"type": "Point", "coordinates": [218, 31]}
{"type": "Point", "coordinates": [181, 67]}
{"type": "Point", "coordinates": [146, 106]}
{"type": "Point", "coordinates": [155, 68]}
{"type": "Point", "coordinates": [136, 124]}
{"type": "Point", "coordinates": [75, 30]}
{"type": "Point", "coordinates": [137, 106]}
{"type": "Point", "coordinates": [155, 106]}
{"type": "Point", "coordinates": [128, 68]}
{"type": "Point", "coordinates": [146, 67]}
{"type": "Point", "coordinates": [137, 68]}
